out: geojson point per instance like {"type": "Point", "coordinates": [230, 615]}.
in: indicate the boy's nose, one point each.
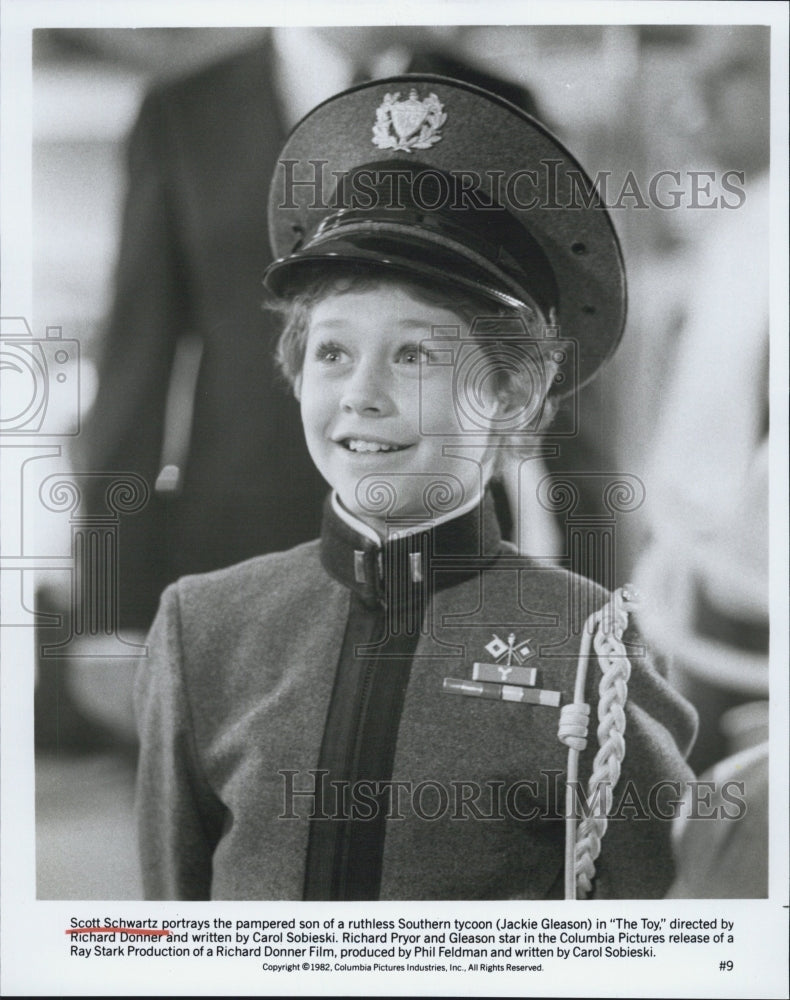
{"type": "Point", "coordinates": [365, 393]}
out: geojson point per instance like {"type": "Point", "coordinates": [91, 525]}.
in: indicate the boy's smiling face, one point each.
{"type": "Point", "coordinates": [377, 413]}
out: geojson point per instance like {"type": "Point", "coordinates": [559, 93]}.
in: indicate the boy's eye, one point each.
{"type": "Point", "coordinates": [412, 354]}
{"type": "Point", "coordinates": [330, 353]}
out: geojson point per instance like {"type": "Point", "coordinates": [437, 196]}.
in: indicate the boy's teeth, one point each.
{"type": "Point", "coordinates": [369, 446]}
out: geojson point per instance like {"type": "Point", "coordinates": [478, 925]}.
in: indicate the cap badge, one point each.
{"type": "Point", "coordinates": [408, 125]}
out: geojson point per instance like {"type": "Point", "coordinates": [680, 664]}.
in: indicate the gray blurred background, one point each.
{"type": "Point", "coordinates": [640, 99]}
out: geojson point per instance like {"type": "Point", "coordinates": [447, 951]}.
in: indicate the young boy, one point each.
{"type": "Point", "coordinates": [398, 709]}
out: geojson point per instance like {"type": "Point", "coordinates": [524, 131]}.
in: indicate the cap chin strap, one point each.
{"type": "Point", "coordinates": [604, 631]}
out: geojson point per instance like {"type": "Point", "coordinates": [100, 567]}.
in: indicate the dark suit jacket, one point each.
{"type": "Point", "coordinates": [193, 252]}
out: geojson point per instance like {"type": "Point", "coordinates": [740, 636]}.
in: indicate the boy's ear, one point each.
{"type": "Point", "coordinates": [298, 387]}
{"type": "Point", "coordinates": [521, 409]}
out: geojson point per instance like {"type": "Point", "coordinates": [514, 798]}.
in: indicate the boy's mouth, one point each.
{"type": "Point", "coordinates": [367, 445]}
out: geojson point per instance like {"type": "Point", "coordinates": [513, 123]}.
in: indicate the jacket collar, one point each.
{"type": "Point", "coordinates": [394, 572]}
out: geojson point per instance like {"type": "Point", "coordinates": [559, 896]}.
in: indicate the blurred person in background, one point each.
{"type": "Point", "coordinates": [708, 497]}
{"type": "Point", "coordinates": [706, 569]}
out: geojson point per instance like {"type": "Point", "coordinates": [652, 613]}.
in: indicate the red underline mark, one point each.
{"type": "Point", "coordinates": [113, 930]}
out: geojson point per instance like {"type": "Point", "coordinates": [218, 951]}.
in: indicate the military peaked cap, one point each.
{"type": "Point", "coordinates": [441, 180]}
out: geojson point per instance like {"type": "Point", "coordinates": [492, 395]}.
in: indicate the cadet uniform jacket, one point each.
{"type": "Point", "coordinates": [297, 741]}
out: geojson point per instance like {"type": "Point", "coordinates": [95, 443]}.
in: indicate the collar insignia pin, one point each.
{"type": "Point", "coordinates": [408, 125]}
